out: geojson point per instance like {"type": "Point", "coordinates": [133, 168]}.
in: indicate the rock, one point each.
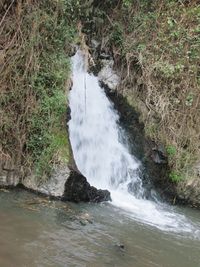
{"type": "Point", "coordinates": [107, 75]}
{"type": "Point", "coordinates": [83, 223]}
{"type": "Point", "coordinates": [95, 44]}
{"type": "Point", "coordinates": [9, 175]}
{"type": "Point", "coordinates": [120, 247]}
{"type": "Point", "coordinates": [65, 183]}
{"type": "Point", "coordinates": [103, 55]}
{"type": "Point", "coordinates": [86, 217]}
{"type": "Point", "coordinates": [54, 186]}
{"type": "Point", "coordinates": [189, 192]}
{"type": "Point", "coordinates": [159, 155]}
{"type": "Point", "coordinates": [77, 189]}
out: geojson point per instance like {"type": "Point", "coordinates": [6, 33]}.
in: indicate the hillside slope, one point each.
{"type": "Point", "coordinates": [34, 62]}
{"type": "Point", "coordinates": [156, 47]}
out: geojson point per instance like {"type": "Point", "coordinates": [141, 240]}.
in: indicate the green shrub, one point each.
{"type": "Point", "coordinates": [175, 177]}
{"type": "Point", "coordinates": [117, 35]}
{"type": "Point", "coordinates": [33, 94]}
{"type": "Point", "coordinates": [171, 151]}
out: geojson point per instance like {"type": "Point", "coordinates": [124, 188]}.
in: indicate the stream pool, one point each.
{"type": "Point", "coordinates": [36, 231]}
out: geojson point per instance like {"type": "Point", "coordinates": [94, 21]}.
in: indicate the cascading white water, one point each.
{"type": "Point", "coordinates": [104, 159]}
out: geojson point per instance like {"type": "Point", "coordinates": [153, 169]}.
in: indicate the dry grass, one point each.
{"type": "Point", "coordinates": [156, 47]}
{"type": "Point", "coordinates": [16, 101]}
{"type": "Point", "coordinates": [33, 68]}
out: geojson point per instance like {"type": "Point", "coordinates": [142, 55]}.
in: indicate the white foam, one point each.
{"type": "Point", "coordinates": [104, 159]}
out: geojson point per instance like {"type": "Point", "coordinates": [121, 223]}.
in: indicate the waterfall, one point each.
{"type": "Point", "coordinates": [104, 159]}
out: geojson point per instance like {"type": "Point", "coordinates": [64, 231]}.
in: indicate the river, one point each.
{"type": "Point", "coordinates": [38, 232]}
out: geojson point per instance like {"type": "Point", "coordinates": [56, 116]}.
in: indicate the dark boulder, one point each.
{"type": "Point", "coordinates": [159, 155]}
{"type": "Point", "coordinates": [77, 189]}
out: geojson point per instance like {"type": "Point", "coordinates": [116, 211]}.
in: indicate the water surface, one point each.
{"type": "Point", "coordinates": [37, 232]}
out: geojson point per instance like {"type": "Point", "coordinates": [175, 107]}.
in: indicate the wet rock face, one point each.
{"type": "Point", "coordinates": [107, 75]}
{"type": "Point", "coordinates": [154, 169]}
{"type": "Point", "coordinates": [104, 65]}
{"type": "Point", "coordinates": [188, 191]}
{"type": "Point", "coordinates": [77, 189]}
{"type": "Point", "coordinates": [159, 155]}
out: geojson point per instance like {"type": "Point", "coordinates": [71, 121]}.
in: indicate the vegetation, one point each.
{"type": "Point", "coordinates": [35, 43]}
{"type": "Point", "coordinates": [156, 47]}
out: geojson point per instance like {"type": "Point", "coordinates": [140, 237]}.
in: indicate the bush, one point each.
{"type": "Point", "coordinates": [37, 36]}
{"type": "Point", "coordinates": [156, 48]}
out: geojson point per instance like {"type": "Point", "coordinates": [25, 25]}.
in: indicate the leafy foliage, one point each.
{"type": "Point", "coordinates": [171, 151]}
{"type": "Point", "coordinates": [156, 46]}
{"type": "Point", "coordinates": [175, 177]}
{"type": "Point", "coordinates": [35, 70]}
